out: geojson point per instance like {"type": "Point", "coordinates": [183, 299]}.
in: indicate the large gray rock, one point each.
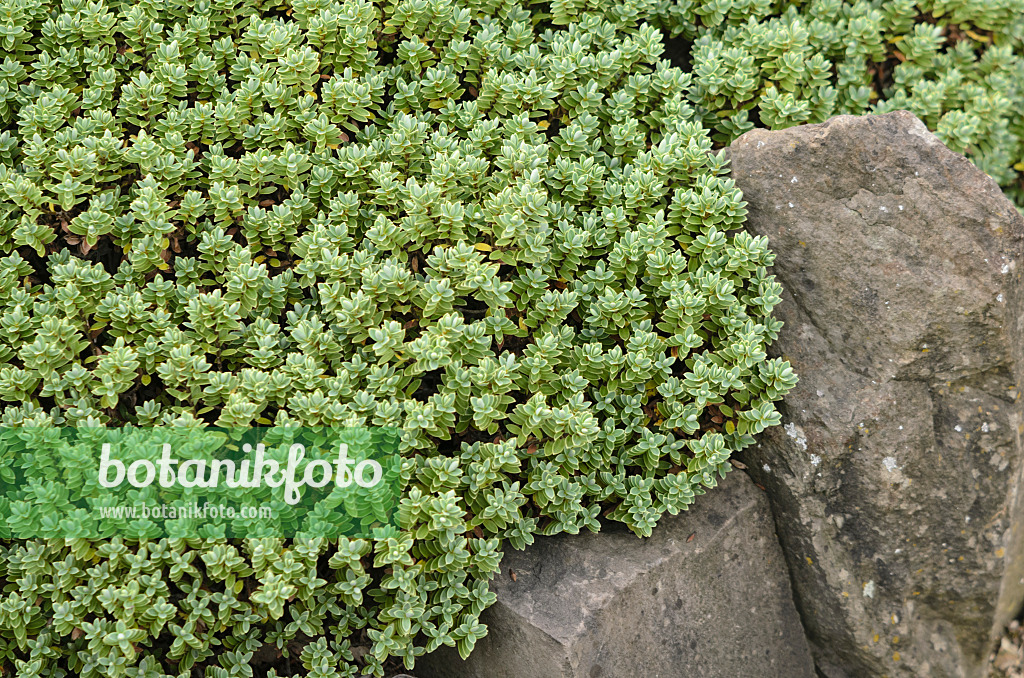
{"type": "Point", "coordinates": [896, 480]}
{"type": "Point", "coordinates": [707, 595]}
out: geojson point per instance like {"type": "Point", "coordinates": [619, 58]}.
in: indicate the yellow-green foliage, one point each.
{"type": "Point", "coordinates": [499, 227]}
{"type": "Point", "coordinates": [496, 227]}
{"type": "Point", "coordinates": [957, 64]}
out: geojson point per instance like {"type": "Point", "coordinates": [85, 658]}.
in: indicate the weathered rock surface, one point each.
{"type": "Point", "coordinates": [896, 480]}
{"type": "Point", "coordinates": [610, 605]}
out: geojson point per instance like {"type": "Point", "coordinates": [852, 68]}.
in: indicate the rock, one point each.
{"type": "Point", "coordinates": [895, 481]}
{"type": "Point", "coordinates": [1008, 661]}
{"type": "Point", "coordinates": [707, 595]}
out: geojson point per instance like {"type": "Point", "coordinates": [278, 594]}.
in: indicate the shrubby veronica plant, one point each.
{"type": "Point", "coordinates": [496, 226]}
{"type": "Point", "coordinates": [499, 227]}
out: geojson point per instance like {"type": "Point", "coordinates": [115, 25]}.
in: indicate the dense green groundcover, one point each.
{"type": "Point", "coordinates": [499, 227]}
{"type": "Point", "coordinates": [956, 64]}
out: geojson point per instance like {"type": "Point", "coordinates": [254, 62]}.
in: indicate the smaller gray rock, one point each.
{"type": "Point", "coordinates": [706, 595]}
